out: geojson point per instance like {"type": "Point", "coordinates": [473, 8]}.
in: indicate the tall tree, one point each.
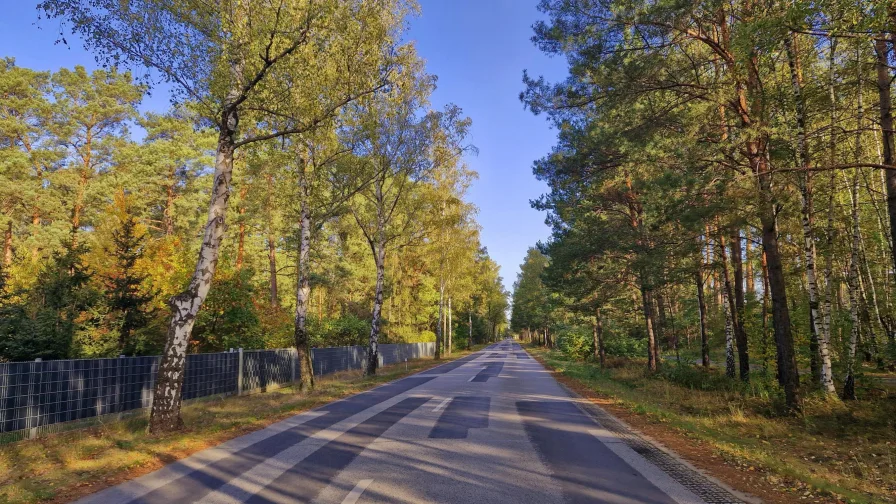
{"type": "Point", "coordinates": [240, 64]}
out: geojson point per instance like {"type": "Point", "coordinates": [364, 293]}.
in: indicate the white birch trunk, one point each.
{"type": "Point", "coordinates": [450, 330]}
{"type": "Point", "coordinates": [166, 404]}
{"type": "Point", "coordinates": [303, 290]}
{"type": "Point", "coordinates": [849, 382]}
{"type": "Point", "coordinates": [729, 336]}
{"type": "Point", "coordinates": [439, 335]}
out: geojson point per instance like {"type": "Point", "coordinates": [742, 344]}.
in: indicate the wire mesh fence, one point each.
{"type": "Point", "coordinates": [49, 396]}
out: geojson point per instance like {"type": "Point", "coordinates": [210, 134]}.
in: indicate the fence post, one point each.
{"type": "Point", "coordinates": [32, 420]}
{"type": "Point", "coordinates": [239, 373]}
{"type": "Point", "coordinates": [118, 384]}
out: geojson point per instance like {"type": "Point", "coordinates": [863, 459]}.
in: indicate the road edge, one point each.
{"type": "Point", "coordinates": [588, 407]}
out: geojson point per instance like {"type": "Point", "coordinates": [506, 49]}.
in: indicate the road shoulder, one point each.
{"type": "Point", "coordinates": [693, 472]}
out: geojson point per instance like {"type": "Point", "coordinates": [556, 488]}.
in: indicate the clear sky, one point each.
{"type": "Point", "coordinates": [478, 49]}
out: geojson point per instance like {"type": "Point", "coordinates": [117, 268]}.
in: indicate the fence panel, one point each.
{"type": "Point", "coordinates": [53, 395]}
{"type": "Point", "coordinates": [210, 374]}
{"type": "Point", "coordinates": [265, 368]}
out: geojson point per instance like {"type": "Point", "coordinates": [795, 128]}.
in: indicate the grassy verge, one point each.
{"type": "Point", "coordinates": [63, 467]}
{"type": "Point", "coordinates": [834, 452]}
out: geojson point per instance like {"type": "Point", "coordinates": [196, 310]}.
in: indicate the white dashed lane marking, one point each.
{"type": "Point", "coordinates": [356, 492]}
{"type": "Point", "coordinates": [441, 405]}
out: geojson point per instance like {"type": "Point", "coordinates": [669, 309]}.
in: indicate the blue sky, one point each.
{"type": "Point", "coordinates": [478, 49]}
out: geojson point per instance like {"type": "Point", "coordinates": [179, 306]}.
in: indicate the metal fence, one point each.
{"type": "Point", "coordinates": [48, 396]}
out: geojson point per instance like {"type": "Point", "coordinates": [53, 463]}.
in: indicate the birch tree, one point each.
{"type": "Point", "coordinates": [238, 61]}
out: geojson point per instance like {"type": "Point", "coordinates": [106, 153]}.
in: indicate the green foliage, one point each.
{"type": "Point", "coordinates": [574, 341]}
{"type": "Point", "coordinates": [626, 347]}
{"type": "Point", "coordinates": [347, 330]}
{"type": "Point", "coordinates": [45, 322]}
{"type": "Point", "coordinates": [228, 318]}
{"type": "Point", "coordinates": [75, 182]}
{"type": "Point", "coordinates": [128, 302]}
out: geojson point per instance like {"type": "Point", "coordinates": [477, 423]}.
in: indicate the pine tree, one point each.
{"type": "Point", "coordinates": [128, 301]}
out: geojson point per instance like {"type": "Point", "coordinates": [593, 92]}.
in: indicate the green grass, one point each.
{"type": "Point", "coordinates": [61, 467]}
{"type": "Point", "coordinates": [846, 450]}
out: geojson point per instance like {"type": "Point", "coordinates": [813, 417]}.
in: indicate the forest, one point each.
{"type": "Point", "coordinates": [301, 191]}
{"type": "Point", "coordinates": [723, 190]}
{"type": "Point", "coordinates": [722, 205]}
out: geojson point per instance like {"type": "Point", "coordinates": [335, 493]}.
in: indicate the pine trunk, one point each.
{"type": "Point", "coordinates": [740, 331]}
{"type": "Point", "coordinates": [646, 303]}
{"type": "Point", "coordinates": [599, 352]}
{"type": "Point", "coordinates": [701, 308]}
{"type": "Point", "coordinates": [748, 263]}
{"type": "Point", "coordinates": [788, 374]}
{"type": "Point", "coordinates": [884, 81]}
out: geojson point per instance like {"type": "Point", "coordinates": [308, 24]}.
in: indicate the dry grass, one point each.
{"type": "Point", "coordinates": [834, 451]}
{"type": "Point", "coordinates": [65, 466]}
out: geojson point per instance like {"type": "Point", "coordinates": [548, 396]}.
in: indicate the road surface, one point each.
{"type": "Point", "coordinates": [492, 427]}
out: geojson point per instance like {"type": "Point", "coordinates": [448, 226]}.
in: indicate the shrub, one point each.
{"type": "Point", "coordinates": [625, 346]}
{"type": "Point", "coordinates": [574, 341]}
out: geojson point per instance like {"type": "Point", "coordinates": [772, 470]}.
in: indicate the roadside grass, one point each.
{"type": "Point", "coordinates": [844, 451]}
{"type": "Point", "coordinates": [66, 466]}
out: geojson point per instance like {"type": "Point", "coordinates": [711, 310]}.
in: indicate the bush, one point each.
{"type": "Point", "coordinates": [346, 330]}
{"type": "Point", "coordinates": [574, 341]}
{"type": "Point", "coordinates": [623, 346]}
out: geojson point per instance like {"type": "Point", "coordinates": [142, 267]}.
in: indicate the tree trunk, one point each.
{"type": "Point", "coordinates": [646, 302]}
{"type": "Point", "coordinates": [748, 263]}
{"type": "Point", "coordinates": [165, 413]}
{"type": "Point", "coordinates": [272, 270]}
{"type": "Point", "coordinates": [884, 81]}
{"type": "Point", "coordinates": [788, 374]}
{"type": "Point", "coordinates": [826, 306]}
{"type": "Point", "coordinates": [439, 335]}
{"type": "Point", "coordinates": [729, 335]}
{"type": "Point", "coordinates": [470, 325]}
{"type": "Point", "coordinates": [599, 352]}
{"type": "Point", "coordinates": [806, 211]}
{"type": "Point", "coordinates": [662, 325]}
{"type": "Point", "coordinates": [450, 329]}
{"type": "Point", "coordinates": [376, 317]}
{"type": "Point", "coordinates": [303, 291]}
{"type": "Point", "coordinates": [849, 382]}
{"type": "Point", "coordinates": [728, 309]}
{"type": "Point", "coordinates": [701, 308]}
{"type": "Point", "coordinates": [765, 307]}
{"type": "Point", "coordinates": [78, 206]}
{"type": "Point", "coordinates": [752, 112]}
{"type": "Point", "coordinates": [740, 331]}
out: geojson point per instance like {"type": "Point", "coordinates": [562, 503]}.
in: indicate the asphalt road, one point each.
{"type": "Point", "coordinates": [491, 427]}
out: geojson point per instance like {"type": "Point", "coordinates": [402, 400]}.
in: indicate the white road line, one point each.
{"type": "Point", "coordinates": [356, 492]}
{"type": "Point", "coordinates": [472, 377]}
{"type": "Point", "coordinates": [441, 405]}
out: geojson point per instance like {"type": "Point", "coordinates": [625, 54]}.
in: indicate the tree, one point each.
{"type": "Point", "coordinates": [393, 146]}
{"type": "Point", "coordinates": [128, 299]}
{"type": "Point", "coordinates": [240, 64]}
